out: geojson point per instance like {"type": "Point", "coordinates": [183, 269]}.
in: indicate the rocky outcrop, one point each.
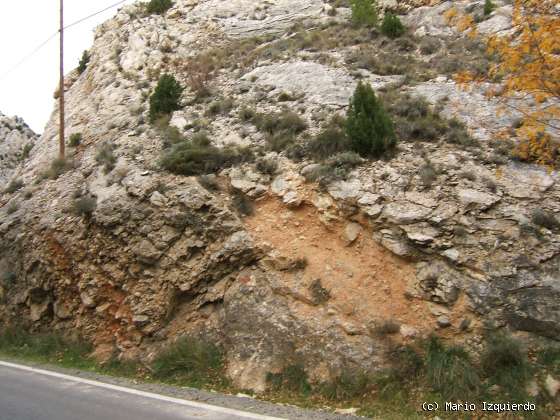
{"type": "Point", "coordinates": [133, 257]}
{"type": "Point", "coordinates": [16, 141]}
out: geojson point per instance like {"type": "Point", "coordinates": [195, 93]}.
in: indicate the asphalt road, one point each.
{"type": "Point", "coordinates": [34, 394]}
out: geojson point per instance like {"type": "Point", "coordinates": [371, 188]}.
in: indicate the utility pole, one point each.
{"type": "Point", "coordinates": [61, 88]}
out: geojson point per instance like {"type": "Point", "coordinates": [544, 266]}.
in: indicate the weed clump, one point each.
{"type": "Point", "coordinates": [505, 363]}
{"type": "Point", "coordinates": [292, 378]}
{"type": "Point", "coordinates": [13, 186]}
{"type": "Point", "coordinates": [58, 167]}
{"type": "Point", "coordinates": [105, 156]}
{"type": "Point", "coordinates": [328, 142]}
{"type": "Point", "coordinates": [190, 361]}
{"type": "Point", "coordinates": [198, 156]}
{"type": "Point", "coordinates": [450, 372]}
{"type": "Point", "coordinates": [84, 206]}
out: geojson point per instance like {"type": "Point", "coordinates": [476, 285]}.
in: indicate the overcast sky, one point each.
{"type": "Point", "coordinates": [28, 90]}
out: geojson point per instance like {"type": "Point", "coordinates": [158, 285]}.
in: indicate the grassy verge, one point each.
{"type": "Point", "coordinates": [429, 371]}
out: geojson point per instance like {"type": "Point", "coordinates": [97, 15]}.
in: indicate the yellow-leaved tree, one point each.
{"type": "Point", "coordinates": [528, 64]}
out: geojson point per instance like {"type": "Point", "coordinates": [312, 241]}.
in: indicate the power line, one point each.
{"type": "Point", "coordinates": [50, 38]}
{"type": "Point", "coordinates": [95, 14]}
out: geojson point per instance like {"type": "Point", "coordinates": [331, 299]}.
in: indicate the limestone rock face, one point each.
{"type": "Point", "coordinates": [15, 138]}
{"type": "Point", "coordinates": [132, 256]}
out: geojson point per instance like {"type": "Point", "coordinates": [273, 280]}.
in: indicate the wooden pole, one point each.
{"type": "Point", "coordinates": [61, 97]}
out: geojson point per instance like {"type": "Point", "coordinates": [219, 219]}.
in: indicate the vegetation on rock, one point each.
{"type": "Point", "coordinates": [84, 61]}
{"type": "Point", "coordinates": [369, 128]}
{"type": "Point", "coordinates": [165, 98]}
{"type": "Point", "coordinates": [528, 63]}
{"type": "Point", "coordinates": [75, 139]}
{"type": "Point", "coordinates": [198, 156]}
{"type": "Point", "coordinates": [392, 26]}
{"type": "Point", "coordinates": [364, 12]}
{"type": "Point", "coordinates": [158, 6]}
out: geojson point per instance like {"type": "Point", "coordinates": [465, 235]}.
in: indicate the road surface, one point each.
{"type": "Point", "coordinates": [33, 394]}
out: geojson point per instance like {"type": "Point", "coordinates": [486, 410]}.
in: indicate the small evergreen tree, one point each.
{"type": "Point", "coordinates": [84, 62]}
{"type": "Point", "coordinates": [488, 7]}
{"type": "Point", "coordinates": [364, 12]}
{"type": "Point", "coordinates": [165, 98]}
{"type": "Point", "coordinates": [158, 6]}
{"type": "Point", "coordinates": [392, 26]}
{"type": "Point", "coordinates": [368, 126]}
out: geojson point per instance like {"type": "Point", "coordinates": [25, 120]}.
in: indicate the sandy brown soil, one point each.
{"type": "Point", "coordinates": [366, 282]}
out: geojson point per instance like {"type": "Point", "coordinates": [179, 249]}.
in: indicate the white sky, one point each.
{"type": "Point", "coordinates": [28, 91]}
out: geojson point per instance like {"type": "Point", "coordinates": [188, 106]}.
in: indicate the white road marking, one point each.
{"type": "Point", "coordinates": [144, 394]}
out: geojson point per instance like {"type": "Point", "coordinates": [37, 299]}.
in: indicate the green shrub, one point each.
{"type": "Point", "coordinates": [328, 142]}
{"type": "Point", "coordinates": [406, 363]}
{"type": "Point", "coordinates": [105, 156]}
{"type": "Point", "coordinates": [345, 160]}
{"type": "Point", "coordinates": [191, 362]}
{"type": "Point", "coordinates": [280, 128]}
{"type": "Point", "coordinates": [12, 207]}
{"type": "Point", "coordinates": [369, 128]}
{"type": "Point", "coordinates": [58, 167]}
{"type": "Point", "coordinates": [285, 121]}
{"type": "Point", "coordinates": [392, 26]}
{"type": "Point", "coordinates": [85, 206]}
{"type": "Point", "coordinates": [549, 358]}
{"type": "Point", "coordinates": [82, 66]}
{"type": "Point", "coordinates": [197, 156]}
{"type": "Point", "coordinates": [158, 6]}
{"type": "Point", "coordinates": [8, 278]}
{"type": "Point", "coordinates": [450, 371]}
{"type": "Point", "coordinates": [170, 134]}
{"type": "Point", "coordinates": [222, 106]}
{"type": "Point", "coordinates": [247, 114]}
{"type": "Point", "coordinates": [75, 139]}
{"type": "Point", "coordinates": [347, 386]}
{"type": "Point", "coordinates": [285, 97]}
{"type": "Point", "coordinates": [505, 363]}
{"type": "Point", "coordinates": [489, 7]}
{"type": "Point", "coordinates": [267, 166]}
{"type": "Point", "coordinates": [26, 151]}
{"type": "Point", "coordinates": [429, 45]}
{"type": "Point", "coordinates": [280, 140]}
{"type": "Point", "coordinates": [545, 218]}
{"type": "Point", "coordinates": [165, 98]}
{"type": "Point", "coordinates": [209, 182]}
{"type": "Point", "coordinates": [13, 186]}
{"type": "Point", "coordinates": [364, 12]}
{"type": "Point", "coordinates": [46, 347]}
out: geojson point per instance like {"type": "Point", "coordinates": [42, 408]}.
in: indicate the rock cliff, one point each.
{"type": "Point", "coordinates": [447, 236]}
{"type": "Point", "coordinates": [16, 140]}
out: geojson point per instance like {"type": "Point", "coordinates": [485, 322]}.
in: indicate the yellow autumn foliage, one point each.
{"type": "Point", "coordinates": [528, 63]}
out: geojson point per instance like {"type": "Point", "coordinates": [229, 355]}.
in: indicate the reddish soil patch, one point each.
{"type": "Point", "coordinates": [366, 282]}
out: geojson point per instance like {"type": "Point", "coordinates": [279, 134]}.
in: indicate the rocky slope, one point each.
{"type": "Point", "coordinates": [442, 237]}
{"type": "Point", "coordinates": [16, 139]}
